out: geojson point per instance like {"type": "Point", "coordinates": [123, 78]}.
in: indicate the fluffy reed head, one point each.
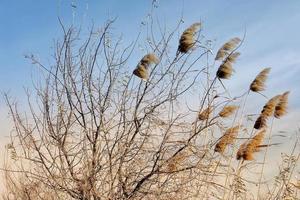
{"type": "Point", "coordinates": [241, 150]}
{"type": "Point", "coordinates": [141, 70]}
{"type": "Point", "coordinates": [149, 59]}
{"type": "Point", "coordinates": [204, 115]}
{"type": "Point", "coordinates": [225, 70]}
{"type": "Point", "coordinates": [281, 107]}
{"type": "Point", "coordinates": [187, 40]}
{"type": "Point", "coordinates": [177, 161]}
{"type": "Point", "coordinates": [261, 122]}
{"type": "Point", "coordinates": [267, 111]}
{"type": "Point", "coordinates": [258, 84]}
{"type": "Point", "coordinates": [227, 139]}
{"type": "Point", "coordinates": [269, 108]}
{"type": "Point", "coordinates": [247, 149]}
{"type": "Point", "coordinates": [227, 48]}
{"type": "Point", "coordinates": [227, 111]}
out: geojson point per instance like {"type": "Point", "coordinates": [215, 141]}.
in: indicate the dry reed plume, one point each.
{"type": "Point", "coordinates": [228, 111]}
{"type": "Point", "coordinates": [227, 48]}
{"type": "Point", "coordinates": [142, 68]}
{"type": "Point", "coordinates": [248, 148]}
{"type": "Point", "coordinates": [177, 161]}
{"type": "Point", "coordinates": [281, 107]}
{"type": "Point", "coordinates": [267, 111]}
{"type": "Point", "coordinates": [226, 54]}
{"type": "Point", "coordinates": [258, 84]}
{"type": "Point", "coordinates": [227, 139]}
{"type": "Point", "coordinates": [269, 108]}
{"type": "Point", "coordinates": [187, 40]}
{"type": "Point", "coordinates": [261, 122]}
{"type": "Point", "coordinates": [225, 70]}
{"type": "Point", "coordinates": [204, 115]}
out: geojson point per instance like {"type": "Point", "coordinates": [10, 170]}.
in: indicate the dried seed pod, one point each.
{"type": "Point", "coordinates": [227, 111]}
{"type": "Point", "coordinates": [281, 107]}
{"type": "Point", "coordinates": [258, 84]}
{"type": "Point", "coordinates": [227, 139]}
{"type": "Point", "coordinates": [187, 40]}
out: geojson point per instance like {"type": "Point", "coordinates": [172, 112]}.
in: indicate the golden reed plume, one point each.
{"type": "Point", "coordinates": [258, 84]}
{"type": "Point", "coordinates": [225, 70]}
{"type": "Point", "coordinates": [269, 108]}
{"type": "Point", "coordinates": [228, 111]}
{"type": "Point", "coordinates": [227, 48]}
{"type": "Point", "coordinates": [141, 70]}
{"type": "Point", "coordinates": [177, 161]}
{"type": "Point", "coordinates": [187, 40]}
{"type": "Point", "coordinates": [267, 111]}
{"type": "Point", "coordinates": [204, 115]}
{"type": "Point", "coordinates": [227, 139]}
{"type": "Point", "coordinates": [228, 57]}
{"type": "Point", "coordinates": [261, 122]}
{"type": "Point", "coordinates": [247, 149]}
{"type": "Point", "coordinates": [281, 107]}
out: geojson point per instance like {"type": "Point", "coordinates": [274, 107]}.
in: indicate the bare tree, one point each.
{"type": "Point", "coordinates": [96, 130]}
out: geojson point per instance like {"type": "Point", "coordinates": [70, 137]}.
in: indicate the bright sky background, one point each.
{"type": "Point", "coordinates": [272, 38]}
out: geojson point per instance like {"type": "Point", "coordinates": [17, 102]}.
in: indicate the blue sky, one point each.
{"type": "Point", "coordinates": [272, 35]}
{"type": "Point", "coordinates": [31, 26]}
